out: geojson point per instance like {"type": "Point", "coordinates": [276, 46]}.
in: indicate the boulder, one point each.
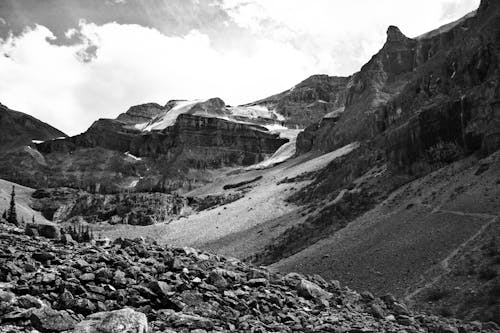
{"type": "Point", "coordinates": [310, 290]}
{"type": "Point", "coordinates": [120, 321]}
{"type": "Point", "coordinates": [47, 230]}
{"type": "Point", "coordinates": [49, 320]}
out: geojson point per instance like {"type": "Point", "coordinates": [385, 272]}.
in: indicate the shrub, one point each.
{"type": "Point", "coordinates": [444, 153]}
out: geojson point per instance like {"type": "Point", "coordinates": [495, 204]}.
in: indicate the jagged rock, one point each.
{"type": "Point", "coordinates": [28, 302]}
{"type": "Point", "coordinates": [311, 290]}
{"type": "Point", "coordinates": [185, 320]}
{"type": "Point", "coordinates": [49, 320]}
{"type": "Point", "coordinates": [119, 321]}
{"type": "Point", "coordinates": [47, 230]}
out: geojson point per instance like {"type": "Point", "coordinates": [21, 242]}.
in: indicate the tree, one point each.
{"type": "Point", "coordinates": [12, 214]}
{"type": "Point", "coordinates": [4, 214]}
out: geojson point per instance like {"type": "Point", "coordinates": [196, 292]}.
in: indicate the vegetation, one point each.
{"type": "Point", "coordinates": [12, 214]}
{"type": "Point", "coordinates": [444, 153]}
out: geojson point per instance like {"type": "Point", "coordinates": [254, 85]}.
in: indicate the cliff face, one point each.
{"type": "Point", "coordinates": [18, 129]}
{"type": "Point", "coordinates": [418, 93]}
{"type": "Point", "coordinates": [209, 142]}
{"type": "Point", "coordinates": [141, 113]}
{"type": "Point", "coordinates": [309, 101]}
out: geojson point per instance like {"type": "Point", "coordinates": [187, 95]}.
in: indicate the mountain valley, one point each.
{"type": "Point", "coordinates": [387, 180]}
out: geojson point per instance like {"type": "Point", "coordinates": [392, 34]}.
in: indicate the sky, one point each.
{"type": "Point", "coordinates": [70, 62]}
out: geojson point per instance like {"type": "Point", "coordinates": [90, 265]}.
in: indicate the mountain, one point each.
{"type": "Point", "coordinates": [153, 147]}
{"type": "Point", "coordinates": [18, 129]}
{"type": "Point", "coordinates": [392, 186]}
{"type": "Point", "coordinates": [309, 101]}
{"type": "Point", "coordinates": [398, 192]}
{"type": "Point", "coordinates": [417, 93]}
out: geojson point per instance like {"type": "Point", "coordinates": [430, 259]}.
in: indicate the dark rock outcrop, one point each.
{"type": "Point", "coordinates": [309, 101]}
{"type": "Point", "coordinates": [18, 129]}
{"type": "Point", "coordinates": [142, 113]}
{"type": "Point", "coordinates": [209, 142]}
{"type": "Point", "coordinates": [416, 94]}
{"type": "Point", "coordinates": [62, 205]}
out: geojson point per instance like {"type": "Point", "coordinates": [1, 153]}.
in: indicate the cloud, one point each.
{"type": "Point", "coordinates": [133, 65]}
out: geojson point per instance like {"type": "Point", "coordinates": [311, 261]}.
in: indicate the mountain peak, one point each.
{"type": "Point", "coordinates": [394, 34]}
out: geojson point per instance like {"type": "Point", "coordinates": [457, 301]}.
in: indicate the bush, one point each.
{"type": "Point", "coordinates": [444, 153]}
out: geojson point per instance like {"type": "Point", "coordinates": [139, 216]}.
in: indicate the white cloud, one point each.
{"type": "Point", "coordinates": [284, 42]}
{"type": "Point", "coordinates": [136, 65]}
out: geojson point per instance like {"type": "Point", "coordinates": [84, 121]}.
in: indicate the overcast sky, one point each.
{"type": "Point", "coordinates": [69, 62]}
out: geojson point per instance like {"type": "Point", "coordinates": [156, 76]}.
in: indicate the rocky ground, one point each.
{"type": "Point", "coordinates": [139, 286]}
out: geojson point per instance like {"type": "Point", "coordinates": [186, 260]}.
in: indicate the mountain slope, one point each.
{"type": "Point", "coordinates": [309, 101]}
{"type": "Point", "coordinates": [19, 129]}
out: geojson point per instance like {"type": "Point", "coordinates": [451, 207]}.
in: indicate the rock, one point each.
{"type": "Point", "coordinates": [49, 320]}
{"type": "Point", "coordinates": [400, 309]}
{"type": "Point", "coordinates": [311, 290]}
{"type": "Point", "coordinates": [87, 277]}
{"type": "Point", "coordinates": [47, 230]}
{"type": "Point", "coordinates": [377, 311]}
{"type": "Point", "coordinates": [119, 321]}
{"type": "Point", "coordinates": [217, 280]}
{"type": "Point", "coordinates": [6, 296]}
{"type": "Point", "coordinates": [43, 256]}
{"type": "Point", "coordinates": [28, 301]}
{"type": "Point", "coordinates": [161, 288]}
{"type": "Point", "coordinates": [258, 282]}
{"type": "Point", "coordinates": [186, 320]}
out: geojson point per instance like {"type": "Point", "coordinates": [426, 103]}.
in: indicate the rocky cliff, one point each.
{"type": "Point", "coordinates": [309, 101]}
{"type": "Point", "coordinates": [148, 147]}
{"type": "Point", "coordinates": [415, 94]}
{"type": "Point", "coordinates": [18, 129]}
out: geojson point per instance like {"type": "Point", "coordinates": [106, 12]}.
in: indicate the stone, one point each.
{"type": "Point", "coordinates": [311, 290]}
{"type": "Point", "coordinates": [217, 280]}
{"type": "Point", "coordinates": [186, 320]}
{"type": "Point", "coordinates": [49, 320]}
{"type": "Point", "coordinates": [87, 277]}
{"type": "Point", "coordinates": [119, 321]}
{"type": "Point", "coordinates": [28, 301]}
{"type": "Point", "coordinates": [377, 311]}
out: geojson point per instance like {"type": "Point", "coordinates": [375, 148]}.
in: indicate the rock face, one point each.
{"type": "Point", "coordinates": [141, 113]}
{"type": "Point", "coordinates": [209, 142]}
{"type": "Point", "coordinates": [61, 205]}
{"type": "Point", "coordinates": [180, 290]}
{"type": "Point", "coordinates": [18, 129]}
{"type": "Point", "coordinates": [309, 101]}
{"type": "Point", "coordinates": [418, 93]}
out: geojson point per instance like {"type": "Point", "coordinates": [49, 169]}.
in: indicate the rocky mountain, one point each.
{"type": "Point", "coordinates": [417, 93]}
{"type": "Point", "coordinates": [19, 129]}
{"type": "Point", "coordinates": [139, 286]}
{"type": "Point", "coordinates": [392, 187]}
{"type": "Point", "coordinates": [151, 147]}
{"type": "Point", "coordinates": [309, 101]}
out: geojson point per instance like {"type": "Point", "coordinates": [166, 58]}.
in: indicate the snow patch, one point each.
{"type": "Point", "coordinates": [284, 152]}
{"type": "Point", "coordinates": [37, 141]}
{"type": "Point", "coordinates": [132, 156]}
{"type": "Point", "coordinates": [168, 119]}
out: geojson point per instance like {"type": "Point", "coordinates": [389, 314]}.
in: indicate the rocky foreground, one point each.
{"type": "Point", "coordinates": [139, 286]}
